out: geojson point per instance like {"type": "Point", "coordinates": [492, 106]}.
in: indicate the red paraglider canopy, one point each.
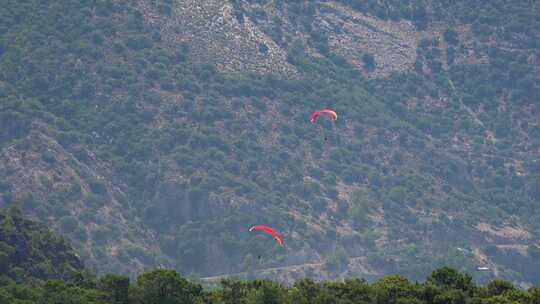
{"type": "Point", "coordinates": [328, 112]}
{"type": "Point", "coordinates": [272, 231]}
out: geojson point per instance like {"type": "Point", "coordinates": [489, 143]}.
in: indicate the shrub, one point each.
{"type": "Point", "coordinates": [98, 187]}
{"type": "Point", "coordinates": [139, 43]}
{"type": "Point", "coordinates": [369, 61]}
{"type": "Point", "coordinates": [451, 37]}
{"type": "Point", "coordinates": [101, 235]}
{"type": "Point", "coordinates": [68, 224]}
{"type": "Point", "coordinates": [48, 157]}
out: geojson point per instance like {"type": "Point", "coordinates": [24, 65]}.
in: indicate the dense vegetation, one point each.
{"type": "Point", "coordinates": [30, 251]}
{"type": "Point", "coordinates": [443, 285]}
{"type": "Point", "coordinates": [201, 155]}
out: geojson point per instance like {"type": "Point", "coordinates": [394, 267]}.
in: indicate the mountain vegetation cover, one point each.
{"type": "Point", "coordinates": [444, 285]}
{"type": "Point", "coordinates": [155, 133]}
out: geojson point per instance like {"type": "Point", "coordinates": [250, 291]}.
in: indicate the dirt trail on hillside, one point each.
{"type": "Point", "coordinates": [289, 269]}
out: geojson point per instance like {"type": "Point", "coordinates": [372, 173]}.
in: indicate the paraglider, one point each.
{"type": "Point", "coordinates": [327, 112]}
{"type": "Point", "coordinates": [271, 231]}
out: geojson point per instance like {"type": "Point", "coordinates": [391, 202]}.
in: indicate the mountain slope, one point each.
{"type": "Point", "coordinates": [157, 132]}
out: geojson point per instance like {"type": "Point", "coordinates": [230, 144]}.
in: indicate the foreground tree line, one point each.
{"type": "Point", "coordinates": [442, 286]}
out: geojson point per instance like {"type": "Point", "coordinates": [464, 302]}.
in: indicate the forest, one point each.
{"type": "Point", "coordinates": [165, 286]}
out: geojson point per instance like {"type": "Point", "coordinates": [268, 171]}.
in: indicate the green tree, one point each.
{"type": "Point", "coordinates": [4, 262]}
{"type": "Point", "coordinates": [304, 292]}
{"type": "Point", "coordinates": [232, 291]}
{"type": "Point", "coordinates": [498, 287]}
{"type": "Point", "coordinates": [449, 278]}
{"type": "Point", "coordinates": [116, 287]}
{"type": "Point", "coordinates": [452, 296]}
{"type": "Point", "coordinates": [534, 292]}
{"type": "Point", "coordinates": [392, 288]}
{"type": "Point", "coordinates": [164, 286]}
{"type": "Point", "coordinates": [266, 293]}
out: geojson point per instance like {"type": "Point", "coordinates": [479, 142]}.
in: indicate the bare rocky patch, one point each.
{"type": "Point", "coordinates": [393, 44]}
{"type": "Point", "coordinates": [215, 35]}
{"type": "Point", "coordinates": [507, 232]}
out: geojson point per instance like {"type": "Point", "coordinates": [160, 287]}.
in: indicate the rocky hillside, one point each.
{"type": "Point", "coordinates": [155, 133]}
